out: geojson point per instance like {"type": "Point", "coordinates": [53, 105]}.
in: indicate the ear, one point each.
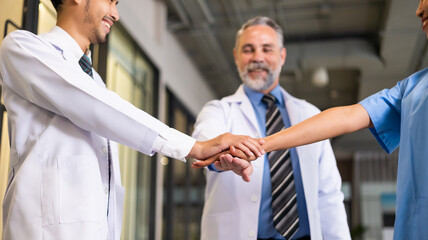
{"type": "Point", "coordinates": [72, 2]}
{"type": "Point", "coordinates": [283, 55]}
{"type": "Point", "coordinates": [235, 56]}
{"type": "Point", "coordinates": [75, 2]}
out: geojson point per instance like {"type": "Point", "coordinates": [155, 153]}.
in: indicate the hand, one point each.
{"type": "Point", "coordinates": [239, 166]}
{"type": "Point", "coordinates": [232, 151]}
{"type": "Point", "coordinates": [249, 146]}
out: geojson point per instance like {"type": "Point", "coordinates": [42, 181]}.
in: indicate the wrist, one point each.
{"type": "Point", "coordinates": [195, 151]}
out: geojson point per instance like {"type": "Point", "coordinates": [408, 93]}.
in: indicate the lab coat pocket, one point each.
{"type": "Point", "coordinates": [81, 195]}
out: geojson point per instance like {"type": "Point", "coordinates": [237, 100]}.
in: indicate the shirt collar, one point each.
{"type": "Point", "coordinates": [256, 97]}
{"type": "Point", "coordinates": [66, 42]}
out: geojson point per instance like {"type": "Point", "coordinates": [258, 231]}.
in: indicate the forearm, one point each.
{"type": "Point", "coordinates": [327, 124]}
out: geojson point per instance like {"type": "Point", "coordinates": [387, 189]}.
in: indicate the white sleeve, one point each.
{"type": "Point", "coordinates": [174, 144]}
{"type": "Point", "coordinates": [33, 69]}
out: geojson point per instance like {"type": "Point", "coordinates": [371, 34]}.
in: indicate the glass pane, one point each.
{"type": "Point", "coordinates": [10, 10]}
{"type": "Point", "coordinates": [47, 16]}
{"type": "Point", "coordinates": [184, 186]}
{"type": "Point", "coordinates": [129, 75]}
{"type": "Point", "coordinates": [122, 83]}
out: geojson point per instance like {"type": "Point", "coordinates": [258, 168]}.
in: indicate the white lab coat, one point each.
{"type": "Point", "coordinates": [232, 206]}
{"type": "Point", "coordinates": [59, 121]}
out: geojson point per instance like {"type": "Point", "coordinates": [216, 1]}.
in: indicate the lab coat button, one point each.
{"type": "Point", "coordinates": [104, 149]}
{"type": "Point", "coordinates": [106, 190]}
{"type": "Point", "coordinates": [254, 198]}
{"type": "Point", "coordinates": [251, 233]}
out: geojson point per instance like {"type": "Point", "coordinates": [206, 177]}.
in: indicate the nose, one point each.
{"type": "Point", "coordinates": [420, 11]}
{"type": "Point", "coordinates": [114, 14]}
{"type": "Point", "coordinates": [257, 56]}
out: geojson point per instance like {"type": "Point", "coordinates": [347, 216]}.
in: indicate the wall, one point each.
{"type": "Point", "coordinates": [146, 20]}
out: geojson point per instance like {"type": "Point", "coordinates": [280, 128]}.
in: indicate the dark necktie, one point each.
{"type": "Point", "coordinates": [284, 197]}
{"type": "Point", "coordinates": [86, 65]}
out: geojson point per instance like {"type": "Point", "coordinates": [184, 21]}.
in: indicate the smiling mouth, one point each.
{"type": "Point", "coordinates": [107, 24]}
{"type": "Point", "coordinates": [424, 22]}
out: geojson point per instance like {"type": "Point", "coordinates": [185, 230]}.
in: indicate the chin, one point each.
{"type": "Point", "coordinates": [100, 39]}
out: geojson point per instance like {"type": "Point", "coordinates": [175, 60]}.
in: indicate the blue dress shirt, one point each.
{"type": "Point", "coordinates": [265, 224]}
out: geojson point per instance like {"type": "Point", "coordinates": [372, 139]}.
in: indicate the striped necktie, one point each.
{"type": "Point", "coordinates": [86, 65]}
{"type": "Point", "coordinates": [284, 197]}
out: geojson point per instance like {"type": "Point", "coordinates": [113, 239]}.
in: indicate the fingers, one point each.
{"type": "Point", "coordinates": [206, 162]}
{"type": "Point", "coordinates": [242, 168]}
{"type": "Point", "coordinates": [240, 154]}
{"type": "Point", "coordinates": [254, 146]}
{"type": "Point", "coordinates": [250, 147]}
{"type": "Point", "coordinates": [239, 166]}
{"type": "Point", "coordinates": [224, 163]}
{"type": "Point", "coordinates": [246, 172]}
{"type": "Point", "coordinates": [227, 162]}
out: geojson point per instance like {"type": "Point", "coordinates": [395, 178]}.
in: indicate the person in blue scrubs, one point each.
{"type": "Point", "coordinates": [396, 117]}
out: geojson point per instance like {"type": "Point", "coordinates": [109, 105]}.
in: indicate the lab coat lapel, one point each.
{"type": "Point", "coordinates": [246, 109]}
{"type": "Point", "coordinates": [295, 115]}
{"type": "Point", "coordinates": [306, 156]}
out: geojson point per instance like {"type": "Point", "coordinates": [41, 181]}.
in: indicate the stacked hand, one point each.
{"type": "Point", "coordinates": [228, 152]}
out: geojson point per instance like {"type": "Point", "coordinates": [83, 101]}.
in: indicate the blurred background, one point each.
{"type": "Point", "coordinates": [169, 57]}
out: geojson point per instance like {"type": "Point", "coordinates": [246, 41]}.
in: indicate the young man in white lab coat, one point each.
{"type": "Point", "coordinates": [235, 209]}
{"type": "Point", "coordinates": [64, 178]}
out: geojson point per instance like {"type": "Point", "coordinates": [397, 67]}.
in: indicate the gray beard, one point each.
{"type": "Point", "coordinates": [259, 84]}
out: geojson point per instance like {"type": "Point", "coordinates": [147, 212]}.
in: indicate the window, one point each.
{"type": "Point", "coordinates": [134, 78]}
{"type": "Point", "coordinates": [183, 186]}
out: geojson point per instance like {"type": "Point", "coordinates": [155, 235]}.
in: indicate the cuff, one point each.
{"type": "Point", "coordinates": [174, 144]}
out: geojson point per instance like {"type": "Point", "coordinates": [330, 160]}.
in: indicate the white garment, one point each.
{"type": "Point", "coordinates": [59, 119]}
{"type": "Point", "coordinates": [232, 206]}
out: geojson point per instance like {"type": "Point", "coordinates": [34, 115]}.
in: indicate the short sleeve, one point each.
{"type": "Point", "coordinates": [384, 109]}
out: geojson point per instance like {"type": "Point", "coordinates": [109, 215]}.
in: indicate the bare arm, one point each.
{"type": "Point", "coordinates": [327, 124]}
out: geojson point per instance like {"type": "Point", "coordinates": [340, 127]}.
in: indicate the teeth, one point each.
{"type": "Point", "coordinates": [107, 25]}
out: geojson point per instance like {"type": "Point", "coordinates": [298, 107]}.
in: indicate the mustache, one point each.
{"type": "Point", "coordinates": [257, 65]}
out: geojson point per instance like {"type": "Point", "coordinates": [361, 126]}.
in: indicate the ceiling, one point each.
{"type": "Point", "coordinates": [365, 45]}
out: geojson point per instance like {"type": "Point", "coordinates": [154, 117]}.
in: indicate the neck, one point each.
{"type": "Point", "coordinates": [68, 24]}
{"type": "Point", "coordinates": [267, 91]}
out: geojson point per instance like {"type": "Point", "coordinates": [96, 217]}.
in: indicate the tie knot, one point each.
{"type": "Point", "coordinates": [269, 99]}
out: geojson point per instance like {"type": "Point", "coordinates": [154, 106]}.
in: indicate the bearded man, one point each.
{"type": "Point", "coordinates": [293, 194]}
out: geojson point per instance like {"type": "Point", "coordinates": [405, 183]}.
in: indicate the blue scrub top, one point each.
{"type": "Point", "coordinates": [400, 118]}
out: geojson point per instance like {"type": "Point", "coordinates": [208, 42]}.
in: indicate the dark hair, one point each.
{"type": "Point", "coordinates": [56, 4]}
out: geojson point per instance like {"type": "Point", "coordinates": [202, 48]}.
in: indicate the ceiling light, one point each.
{"type": "Point", "coordinates": [320, 77]}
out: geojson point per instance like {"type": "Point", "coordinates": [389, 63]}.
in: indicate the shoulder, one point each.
{"type": "Point", "coordinates": [226, 102]}
{"type": "Point", "coordinates": [215, 106]}
{"type": "Point", "coordinates": [413, 80]}
{"type": "Point", "coordinates": [294, 104]}
{"type": "Point", "coordinates": [22, 40]}
{"type": "Point", "coordinates": [19, 36]}
{"type": "Point", "coordinates": [16, 37]}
